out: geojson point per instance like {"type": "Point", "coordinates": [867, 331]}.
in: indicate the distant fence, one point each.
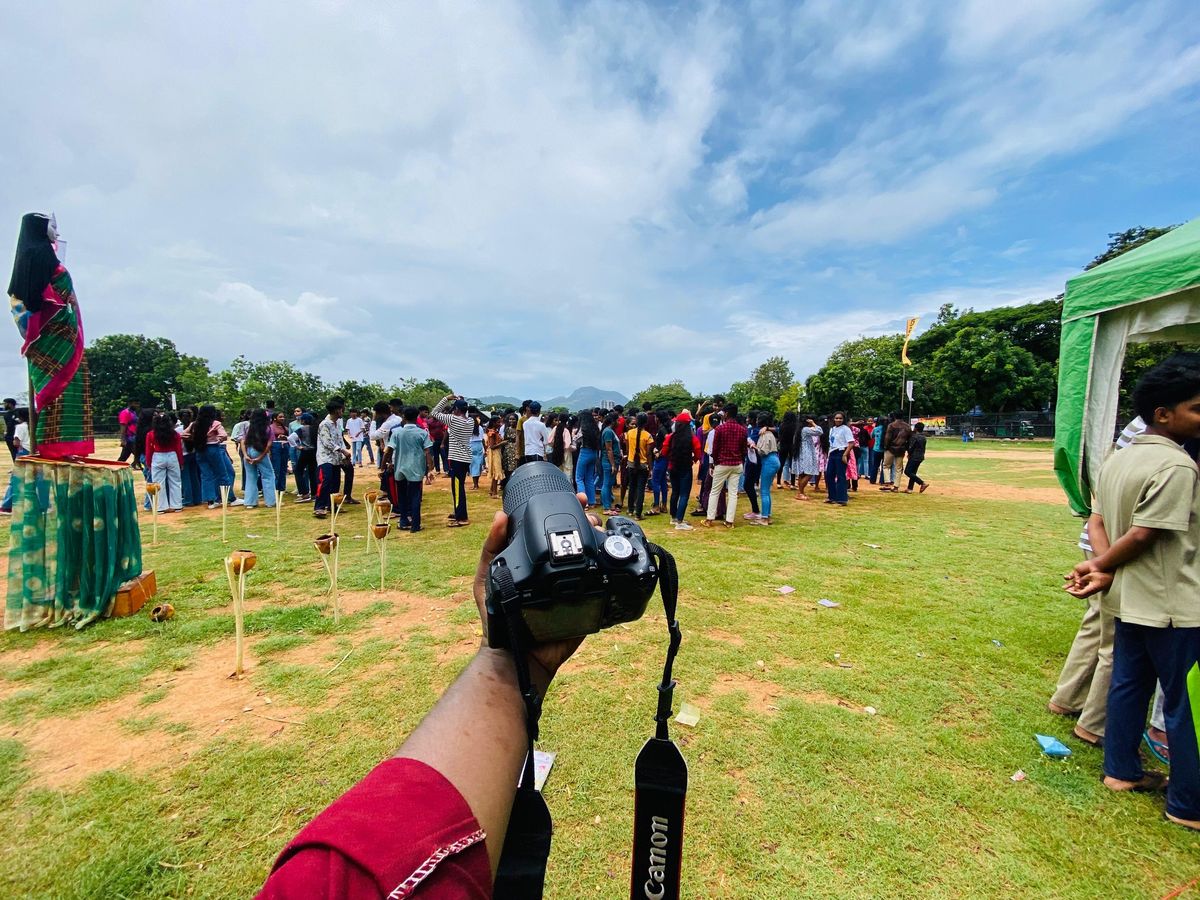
{"type": "Point", "coordinates": [1024, 424]}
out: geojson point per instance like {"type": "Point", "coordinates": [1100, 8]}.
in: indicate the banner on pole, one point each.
{"type": "Point", "coordinates": [908, 387]}
{"type": "Point", "coordinates": [912, 323]}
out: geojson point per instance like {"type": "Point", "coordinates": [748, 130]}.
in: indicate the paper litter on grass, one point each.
{"type": "Point", "coordinates": [543, 762]}
{"type": "Point", "coordinates": [1018, 775]}
{"type": "Point", "coordinates": [874, 546]}
{"type": "Point", "coordinates": [1052, 746]}
{"type": "Point", "coordinates": [827, 603]}
{"type": "Point", "coordinates": [689, 715]}
{"type": "Point", "coordinates": [786, 589]}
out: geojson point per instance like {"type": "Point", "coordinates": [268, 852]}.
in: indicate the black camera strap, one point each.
{"type": "Point", "coordinates": [522, 870]}
{"type": "Point", "coordinates": [660, 774]}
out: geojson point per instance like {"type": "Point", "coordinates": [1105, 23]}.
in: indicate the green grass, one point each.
{"type": "Point", "coordinates": [805, 799]}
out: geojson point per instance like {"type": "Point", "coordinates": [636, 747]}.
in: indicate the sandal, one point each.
{"type": "Point", "coordinates": [457, 524]}
{"type": "Point", "coordinates": [1158, 749]}
{"type": "Point", "coordinates": [1082, 734]}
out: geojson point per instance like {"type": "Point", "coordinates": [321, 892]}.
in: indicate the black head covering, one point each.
{"type": "Point", "coordinates": [35, 263]}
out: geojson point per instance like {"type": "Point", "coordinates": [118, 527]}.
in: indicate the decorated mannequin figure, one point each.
{"type": "Point", "coordinates": [47, 316]}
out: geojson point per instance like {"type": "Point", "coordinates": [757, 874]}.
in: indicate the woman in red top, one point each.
{"type": "Point", "coordinates": [164, 462]}
{"type": "Point", "coordinates": [681, 448]}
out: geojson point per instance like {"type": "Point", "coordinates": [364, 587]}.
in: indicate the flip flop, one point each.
{"type": "Point", "coordinates": [1158, 749]}
{"type": "Point", "coordinates": [457, 524]}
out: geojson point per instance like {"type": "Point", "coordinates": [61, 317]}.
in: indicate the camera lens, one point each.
{"type": "Point", "coordinates": [530, 480]}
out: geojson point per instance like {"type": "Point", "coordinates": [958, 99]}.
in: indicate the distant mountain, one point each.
{"type": "Point", "coordinates": [499, 400]}
{"type": "Point", "coordinates": [586, 398]}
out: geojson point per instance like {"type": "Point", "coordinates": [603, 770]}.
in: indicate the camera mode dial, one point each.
{"type": "Point", "coordinates": [618, 547]}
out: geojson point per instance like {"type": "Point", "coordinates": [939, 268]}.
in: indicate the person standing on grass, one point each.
{"type": "Point", "coordinates": [128, 419]}
{"type": "Point", "coordinates": [729, 449]}
{"type": "Point", "coordinates": [256, 452]}
{"type": "Point", "coordinates": [190, 470]}
{"type": "Point", "coordinates": [895, 445]}
{"type": "Point", "coordinates": [841, 437]}
{"type": "Point", "coordinates": [535, 435]}
{"type": "Point", "coordinates": [208, 438]}
{"type": "Point", "coordinates": [808, 454]}
{"type": "Point", "coordinates": [458, 434]}
{"type": "Point", "coordinates": [279, 451]}
{"type": "Point", "coordinates": [387, 417]}
{"type": "Point", "coordinates": [916, 456]}
{"type": "Point", "coordinates": [477, 453]}
{"type": "Point", "coordinates": [164, 463]}
{"type": "Point", "coordinates": [682, 450]}
{"type": "Point", "coordinates": [408, 455]}
{"type": "Point", "coordinates": [589, 457]}
{"type": "Point", "coordinates": [1145, 528]}
{"type": "Point", "coordinates": [356, 430]}
{"type": "Point", "coordinates": [769, 463]}
{"type": "Point", "coordinates": [876, 458]}
{"type": "Point", "coordinates": [493, 441]}
{"type": "Point", "coordinates": [610, 458]}
{"type": "Point", "coordinates": [641, 454]}
{"type": "Point", "coordinates": [658, 472]}
{"type": "Point", "coordinates": [330, 456]}
{"type": "Point", "coordinates": [788, 432]}
{"type": "Point", "coordinates": [562, 446]}
{"type": "Point", "coordinates": [10, 424]}
{"type": "Point", "coordinates": [21, 443]}
{"type": "Point", "coordinates": [750, 467]}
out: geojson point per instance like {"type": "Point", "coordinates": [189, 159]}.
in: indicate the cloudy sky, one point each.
{"type": "Point", "coordinates": [521, 198]}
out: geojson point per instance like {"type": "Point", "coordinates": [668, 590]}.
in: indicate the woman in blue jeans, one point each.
{"type": "Point", "coordinates": [768, 461]}
{"type": "Point", "coordinates": [589, 456]}
{"type": "Point", "coordinates": [610, 459]}
{"type": "Point", "coordinates": [207, 438]}
{"type": "Point", "coordinates": [256, 451]}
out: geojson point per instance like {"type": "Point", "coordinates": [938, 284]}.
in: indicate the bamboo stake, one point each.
{"type": "Point", "coordinates": [226, 490]}
{"type": "Point", "coordinates": [152, 493]}
{"type": "Point", "coordinates": [337, 605]}
{"type": "Point", "coordinates": [278, 511]}
{"type": "Point", "coordinates": [239, 619]}
{"type": "Point", "coordinates": [382, 562]}
{"type": "Point", "coordinates": [369, 506]}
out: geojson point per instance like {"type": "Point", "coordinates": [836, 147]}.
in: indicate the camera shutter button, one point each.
{"type": "Point", "coordinates": [618, 547]}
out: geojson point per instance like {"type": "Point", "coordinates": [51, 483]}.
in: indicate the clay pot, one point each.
{"type": "Point", "coordinates": [337, 499]}
{"type": "Point", "coordinates": [162, 612]}
{"type": "Point", "coordinates": [325, 543]}
{"type": "Point", "coordinates": [370, 496]}
{"type": "Point", "coordinates": [384, 507]}
{"type": "Point", "coordinates": [152, 488]}
{"type": "Point", "coordinates": [381, 531]}
{"type": "Point", "coordinates": [242, 561]}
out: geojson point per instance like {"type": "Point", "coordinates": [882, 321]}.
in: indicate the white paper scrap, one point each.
{"type": "Point", "coordinates": [689, 715]}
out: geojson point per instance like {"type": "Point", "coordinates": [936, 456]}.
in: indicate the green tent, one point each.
{"type": "Point", "coordinates": [1151, 293]}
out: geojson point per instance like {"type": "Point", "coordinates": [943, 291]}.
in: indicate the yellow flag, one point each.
{"type": "Point", "coordinates": [904, 360]}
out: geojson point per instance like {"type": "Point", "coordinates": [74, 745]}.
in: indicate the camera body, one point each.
{"type": "Point", "coordinates": [571, 580]}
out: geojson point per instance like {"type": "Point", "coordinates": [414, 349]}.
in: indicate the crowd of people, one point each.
{"type": "Point", "coordinates": [614, 457]}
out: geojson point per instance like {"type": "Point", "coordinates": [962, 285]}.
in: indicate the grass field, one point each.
{"type": "Point", "coordinates": [131, 766]}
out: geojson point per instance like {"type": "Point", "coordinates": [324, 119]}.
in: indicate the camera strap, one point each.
{"type": "Point", "coordinates": [522, 870]}
{"type": "Point", "coordinates": [660, 774]}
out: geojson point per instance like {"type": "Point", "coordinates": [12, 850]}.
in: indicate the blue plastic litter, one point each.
{"type": "Point", "coordinates": [1052, 746]}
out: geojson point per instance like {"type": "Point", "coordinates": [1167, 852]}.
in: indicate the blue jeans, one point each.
{"type": "Point", "coordinates": [356, 449]}
{"type": "Point", "coordinates": [658, 482]}
{"type": "Point", "coordinates": [835, 478]}
{"type": "Point", "coordinates": [681, 486]}
{"type": "Point", "coordinates": [279, 461]}
{"type": "Point", "coordinates": [7, 503]}
{"type": "Point", "coordinates": [260, 470]}
{"type": "Point", "coordinates": [215, 470]}
{"type": "Point", "coordinates": [1141, 655]}
{"type": "Point", "coordinates": [191, 479]}
{"type": "Point", "coordinates": [585, 474]}
{"type": "Point", "coordinates": [874, 458]}
{"type": "Point", "coordinates": [770, 465]}
{"type": "Point", "coordinates": [606, 483]}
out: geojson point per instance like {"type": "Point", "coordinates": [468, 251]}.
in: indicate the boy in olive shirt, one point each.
{"type": "Point", "coordinates": [1145, 528]}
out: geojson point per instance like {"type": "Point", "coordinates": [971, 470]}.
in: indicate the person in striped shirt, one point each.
{"type": "Point", "coordinates": [458, 435]}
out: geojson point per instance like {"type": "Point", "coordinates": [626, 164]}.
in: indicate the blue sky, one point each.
{"type": "Point", "coordinates": [521, 198]}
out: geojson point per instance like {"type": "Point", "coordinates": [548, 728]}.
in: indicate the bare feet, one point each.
{"type": "Point", "coordinates": [1186, 823]}
{"type": "Point", "coordinates": [1150, 783]}
{"type": "Point", "coordinates": [1088, 737]}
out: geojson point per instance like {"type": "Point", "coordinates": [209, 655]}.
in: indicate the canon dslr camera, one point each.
{"type": "Point", "coordinates": [569, 579]}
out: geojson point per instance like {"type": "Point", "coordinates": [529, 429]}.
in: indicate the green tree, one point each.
{"type": "Point", "coordinates": [359, 394]}
{"type": "Point", "coordinates": [772, 378]}
{"type": "Point", "coordinates": [672, 395]}
{"type": "Point", "coordinates": [421, 393]}
{"type": "Point", "coordinates": [986, 368]}
{"type": "Point", "coordinates": [244, 384]}
{"type": "Point", "coordinates": [126, 367]}
{"type": "Point", "coordinates": [791, 400]}
{"type": "Point", "coordinates": [1123, 241]}
{"type": "Point", "coordinates": [860, 377]}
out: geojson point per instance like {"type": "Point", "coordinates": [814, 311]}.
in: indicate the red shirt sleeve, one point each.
{"type": "Point", "coordinates": [403, 831]}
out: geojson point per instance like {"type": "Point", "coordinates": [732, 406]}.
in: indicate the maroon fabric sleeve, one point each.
{"type": "Point", "coordinates": [403, 831]}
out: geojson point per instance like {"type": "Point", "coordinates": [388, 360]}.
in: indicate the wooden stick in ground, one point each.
{"type": "Point", "coordinates": [369, 506]}
{"type": "Point", "coordinates": [337, 605]}
{"type": "Point", "coordinates": [278, 511]}
{"type": "Point", "coordinates": [225, 490]}
{"type": "Point", "coordinates": [382, 561]}
{"type": "Point", "coordinates": [239, 620]}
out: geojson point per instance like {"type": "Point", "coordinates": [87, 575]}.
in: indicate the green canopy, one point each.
{"type": "Point", "coordinates": [1151, 293]}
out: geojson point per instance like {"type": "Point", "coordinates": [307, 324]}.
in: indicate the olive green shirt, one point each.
{"type": "Point", "coordinates": [1153, 483]}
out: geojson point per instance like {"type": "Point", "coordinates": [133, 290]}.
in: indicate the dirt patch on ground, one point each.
{"type": "Point", "coordinates": [16, 657]}
{"type": "Point", "coordinates": [824, 699]}
{"type": "Point", "coordinates": [983, 490]}
{"type": "Point", "coordinates": [1009, 455]}
{"type": "Point", "coordinates": [762, 696]}
{"type": "Point", "coordinates": [201, 703]}
{"type": "Point", "coordinates": [726, 637]}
